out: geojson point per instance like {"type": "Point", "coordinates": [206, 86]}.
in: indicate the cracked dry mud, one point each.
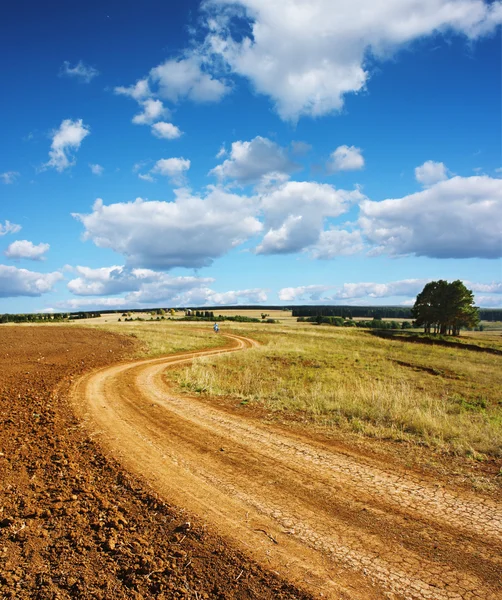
{"type": "Point", "coordinates": [334, 523]}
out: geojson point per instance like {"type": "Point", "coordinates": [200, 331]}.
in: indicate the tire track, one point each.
{"type": "Point", "coordinates": [346, 526]}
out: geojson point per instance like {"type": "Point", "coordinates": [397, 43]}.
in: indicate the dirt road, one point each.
{"type": "Point", "coordinates": [336, 523]}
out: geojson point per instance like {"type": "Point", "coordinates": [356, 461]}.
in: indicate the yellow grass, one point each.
{"type": "Point", "coordinates": [347, 378]}
{"type": "Point", "coordinates": [162, 337]}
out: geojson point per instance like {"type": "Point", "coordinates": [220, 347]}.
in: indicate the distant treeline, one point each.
{"type": "Point", "coordinates": [219, 318]}
{"type": "Point", "coordinates": [377, 312]}
{"type": "Point", "coordinates": [47, 317]}
{"type": "Point", "coordinates": [341, 322]}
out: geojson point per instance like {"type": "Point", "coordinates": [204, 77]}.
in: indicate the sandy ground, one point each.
{"type": "Point", "coordinates": [332, 521]}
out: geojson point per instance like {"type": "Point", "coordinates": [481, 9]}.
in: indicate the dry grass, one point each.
{"type": "Point", "coordinates": [163, 337]}
{"type": "Point", "coordinates": [388, 389]}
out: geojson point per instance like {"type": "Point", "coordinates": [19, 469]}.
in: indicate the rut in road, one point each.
{"type": "Point", "coordinates": [336, 523]}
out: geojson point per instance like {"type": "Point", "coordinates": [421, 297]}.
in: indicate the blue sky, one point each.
{"type": "Point", "coordinates": [188, 153]}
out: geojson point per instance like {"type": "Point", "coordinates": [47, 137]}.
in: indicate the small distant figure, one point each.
{"type": "Point", "coordinates": [216, 328]}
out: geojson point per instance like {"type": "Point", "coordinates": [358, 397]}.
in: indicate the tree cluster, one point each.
{"type": "Point", "coordinates": [444, 308]}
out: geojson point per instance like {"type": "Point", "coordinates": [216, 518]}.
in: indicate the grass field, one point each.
{"type": "Point", "coordinates": [346, 378]}
{"type": "Point", "coordinates": [162, 337]}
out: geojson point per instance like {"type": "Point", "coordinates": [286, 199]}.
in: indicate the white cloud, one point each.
{"type": "Point", "coordinates": [406, 287]}
{"type": "Point", "coordinates": [96, 169]}
{"type": "Point", "coordinates": [152, 110]}
{"type": "Point", "coordinates": [186, 78]}
{"type": "Point", "coordinates": [166, 131]}
{"type": "Point", "coordinates": [9, 228]}
{"type": "Point", "coordinates": [68, 137]}
{"type": "Point", "coordinates": [457, 218]}
{"type": "Point", "coordinates": [495, 287]}
{"type": "Point", "coordinates": [222, 152]}
{"type": "Point", "coordinates": [81, 71]}
{"type": "Point", "coordinates": [312, 292]}
{"type": "Point", "coordinates": [9, 177]}
{"type": "Point", "coordinates": [146, 287]}
{"type": "Point", "coordinates": [107, 281]}
{"type": "Point", "coordinates": [345, 158]}
{"type": "Point", "coordinates": [488, 301]}
{"type": "Point", "coordinates": [295, 214]}
{"type": "Point", "coordinates": [174, 168]}
{"type": "Point", "coordinates": [250, 161]}
{"type": "Point", "coordinates": [338, 242]}
{"type": "Point", "coordinates": [189, 232]}
{"type": "Point", "coordinates": [21, 282]}
{"type": "Point", "coordinates": [139, 91]}
{"type": "Point", "coordinates": [25, 249]}
{"type": "Point", "coordinates": [76, 304]}
{"type": "Point", "coordinates": [251, 296]}
{"type": "Point", "coordinates": [146, 177]}
{"type": "Point", "coordinates": [306, 56]}
{"type": "Point", "coordinates": [186, 294]}
{"type": "Point", "coordinates": [431, 172]}
{"type": "Point", "coordinates": [366, 292]}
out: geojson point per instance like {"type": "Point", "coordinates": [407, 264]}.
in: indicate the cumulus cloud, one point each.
{"type": "Point", "coordinates": [174, 168]}
{"type": "Point", "coordinates": [21, 282]}
{"type": "Point", "coordinates": [66, 139]}
{"type": "Point", "coordinates": [166, 131]}
{"type": "Point", "coordinates": [250, 161]}
{"type": "Point", "coordinates": [109, 281]}
{"type": "Point", "coordinates": [96, 169]}
{"type": "Point", "coordinates": [337, 242]}
{"type": "Point", "coordinates": [187, 78]}
{"type": "Point", "coordinates": [405, 287]}
{"type": "Point", "coordinates": [431, 172]}
{"type": "Point", "coordinates": [488, 301]}
{"type": "Point", "coordinates": [495, 287]}
{"type": "Point", "coordinates": [25, 249]}
{"type": "Point", "coordinates": [9, 177]}
{"type": "Point", "coordinates": [311, 292]}
{"type": "Point", "coordinates": [146, 287]}
{"type": "Point", "coordinates": [77, 304]}
{"type": "Point", "coordinates": [457, 218]}
{"type": "Point", "coordinates": [189, 232]}
{"type": "Point", "coordinates": [85, 73]}
{"type": "Point", "coordinates": [306, 56]}
{"type": "Point", "coordinates": [152, 110]}
{"type": "Point", "coordinates": [9, 227]}
{"type": "Point", "coordinates": [139, 91]}
{"type": "Point", "coordinates": [345, 158]}
{"type": "Point", "coordinates": [184, 78]}
{"type": "Point", "coordinates": [363, 292]}
{"type": "Point", "coordinates": [295, 214]}
{"type": "Point", "coordinates": [146, 177]}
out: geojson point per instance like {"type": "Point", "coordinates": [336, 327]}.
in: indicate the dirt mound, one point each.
{"type": "Point", "coordinates": [73, 524]}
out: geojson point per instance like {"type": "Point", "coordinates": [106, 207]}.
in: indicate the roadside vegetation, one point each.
{"type": "Point", "coordinates": [436, 395]}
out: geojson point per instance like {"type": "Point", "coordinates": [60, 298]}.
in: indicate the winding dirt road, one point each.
{"type": "Point", "coordinates": [335, 523]}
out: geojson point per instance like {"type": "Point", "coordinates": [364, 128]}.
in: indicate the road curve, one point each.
{"type": "Point", "coordinates": [335, 523]}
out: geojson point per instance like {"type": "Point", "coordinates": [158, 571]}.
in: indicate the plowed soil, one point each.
{"type": "Point", "coordinates": [73, 522]}
{"type": "Point", "coordinates": [332, 521]}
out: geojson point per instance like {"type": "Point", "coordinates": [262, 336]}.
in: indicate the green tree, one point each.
{"type": "Point", "coordinates": [444, 308]}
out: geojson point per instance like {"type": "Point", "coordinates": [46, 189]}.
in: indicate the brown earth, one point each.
{"type": "Point", "coordinates": [73, 523]}
{"type": "Point", "coordinates": [332, 520]}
